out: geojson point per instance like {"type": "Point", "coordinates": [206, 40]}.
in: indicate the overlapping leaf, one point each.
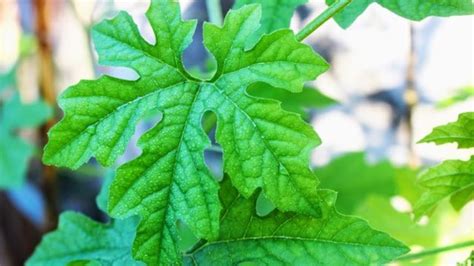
{"type": "Point", "coordinates": [14, 151]}
{"type": "Point", "coordinates": [263, 145]}
{"type": "Point", "coordinates": [276, 14]}
{"type": "Point", "coordinates": [452, 179]}
{"type": "Point", "coordinates": [410, 9]}
{"type": "Point", "coordinates": [291, 239]}
{"type": "Point", "coordinates": [80, 239]}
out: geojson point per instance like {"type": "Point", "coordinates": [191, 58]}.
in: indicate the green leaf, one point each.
{"type": "Point", "coordinates": [15, 152]}
{"type": "Point", "coordinates": [79, 240]}
{"type": "Point", "coordinates": [451, 179]}
{"type": "Point", "coordinates": [263, 145]}
{"type": "Point", "coordinates": [410, 9]}
{"type": "Point", "coordinates": [461, 132]}
{"type": "Point", "coordinates": [300, 103]}
{"type": "Point", "coordinates": [378, 211]}
{"type": "Point", "coordinates": [355, 179]}
{"type": "Point", "coordinates": [276, 14]}
{"type": "Point", "coordinates": [460, 95]}
{"type": "Point", "coordinates": [291, 239]}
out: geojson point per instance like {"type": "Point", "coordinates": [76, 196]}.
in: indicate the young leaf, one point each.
{"type": "Point", "coordinates": [461, 132]}
{"type": "Point", "coordinates": [263, 145]}
{"type": "Point", "coordinates": [291, 239]}
{"type": "Point", "coordinates": [410, 9]}
{"type": "Point", "coordinates": [82, 241]}
{"type": "Point", "coordinates": [452, 178]}
{"type": "Point", "coordinates": [15, 152]}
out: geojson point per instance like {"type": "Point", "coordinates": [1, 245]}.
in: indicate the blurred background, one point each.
{"type": "Point", "coordinates": [391, 81]}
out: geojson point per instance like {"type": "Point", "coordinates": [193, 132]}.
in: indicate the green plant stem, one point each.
{"type": "Point", "coordinates": [323, 17]}
{"type": "Point", "coordinates": [434, 251]}
{"type": "Point", "coordinates": [215, 11]}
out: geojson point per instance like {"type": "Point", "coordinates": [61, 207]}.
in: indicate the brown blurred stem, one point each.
{"type": "Point", "coordinates": [411, 98]}
{"type": "Point", "coordinates": [43, 10]}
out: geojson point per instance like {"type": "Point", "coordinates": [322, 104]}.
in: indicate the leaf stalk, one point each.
{"type": "Point", "coordinates": [332, 10]}
{"type": "Point", "coordinates": [433, 251]}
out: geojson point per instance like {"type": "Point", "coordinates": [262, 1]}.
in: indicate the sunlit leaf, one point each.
{"type": "Point", "coordinates": [291, 239]}
{"type": "Point", "coordinates": [264, 146]}
{"type": "Point", "coordinates": [410, 9]}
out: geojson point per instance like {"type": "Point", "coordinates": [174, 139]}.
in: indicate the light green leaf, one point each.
{"type": "Point", "coordinates": [461, 132]}
{"type": "Point", "coordinates": [410, 9]}
{"type": "Point", "coordinates": [79, 240]}
{"type": "Point", "coordinates": [15, 152]}
{"type": "Point", "coordinates": [263, 145]}
{"type": "Point", "coordinates": [355, 179]}
{"type": "Point", "coordinates": [291, 239]}
{"type": "Point", "coordinates": [460, 95]}
{"type": "Point", "coordinates": [276, 14]}
{"type": "Point", "coordinates": [451, 179]}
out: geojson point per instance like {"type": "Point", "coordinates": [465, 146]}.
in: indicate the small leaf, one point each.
{"type": "Point", "coordinates": [461, 132]}
{"type": "Point", "coordinates": [410, 9]}
{"type": "Point", "coordinates": [452, 178]}
{"type": "Point", "coordinates": [460, 95]}
{"type": "Point", "coordinates": [82, 241]}
{"type": "Point", "coordinates": [292, 239]}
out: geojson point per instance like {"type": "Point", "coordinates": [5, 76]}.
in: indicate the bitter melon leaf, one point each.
{"type": "Point", "coordinates": [292, 239]}
{"type": "Point", "coordinates": [263, 145]}
{"type": "Point", "coordinates": [79, 240]}
{"type": "Point", "coordinates": [452, 179]}
{"type": "Point", "coordinates": [300, 103]}
{"type": "Point", "coordinates": [14, 151]}
{"type": "Point", "coordinates": [460, 132]}
{"type": "Point", "coordinates": [410, 9]}
{"type": "Point", "coordinates": [276, 14]}
{"type": "Point", "coordinates": [355, 179]}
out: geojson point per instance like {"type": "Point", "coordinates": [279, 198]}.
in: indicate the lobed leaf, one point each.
{"type": "Point", "coordinates": [460, 132]}
{"type": "Point", "coordinates": [263, 145]}
{"type": "Point", "coordinates": [452, 179]}
{"type": "Point", "coordinates": [410, 9]}
{"type": "Point", "coordinates": [288, 238]}
{"type": "Point", "coordinates": [82, 241]}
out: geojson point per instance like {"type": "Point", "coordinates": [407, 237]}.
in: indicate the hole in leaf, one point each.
{"type": "Point", "coordinates": [197, 61]}
{"type": "Point", "coordinates": [213, 154]}
{"type": "Point", "coordinates": [148, 121]}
